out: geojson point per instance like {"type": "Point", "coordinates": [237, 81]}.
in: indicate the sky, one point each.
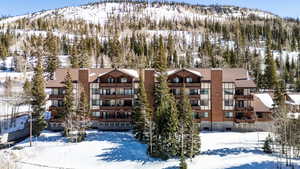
{"type": "Point", "coordinates": [284, 8]}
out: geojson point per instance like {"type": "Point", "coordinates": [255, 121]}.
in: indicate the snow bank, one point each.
{"type": "Point", "coordinates": [111, 150]}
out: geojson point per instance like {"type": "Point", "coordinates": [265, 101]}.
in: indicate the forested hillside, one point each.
{"type": "Point", "coordinates": [127, 34]}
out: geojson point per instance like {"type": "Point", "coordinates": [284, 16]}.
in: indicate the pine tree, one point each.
{"type": "Point", "coordinates": [267, 145]}
{"type": "Point", "coordinates": [165, 121]}
{"type": "Point", "coordinates": [82, 114]}
{"type": "Point", "coordinates": [38, 99]}
{"type": "Point", "coordinates": [189, 131]}
{"type": "Point", "coordinates": [270, 76]}
{"type": "Point", "coordinates": [142, 113]}
{"type": "Point", "coordinates": [160, 62]}
{"type": "Point", "coordinates": [69, 110]}
{"type": "Point", "coordinates": [52, 65]}
{"type": "Point", "coordinates": [183, 164]}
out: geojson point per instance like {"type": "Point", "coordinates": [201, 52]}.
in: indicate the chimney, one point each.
{"type": "Point", "coordinates": [149, 82]}
{"type": "Point", "coordinates": [83, 78]}
{"type": "Point", "coordinates": [217, 114]}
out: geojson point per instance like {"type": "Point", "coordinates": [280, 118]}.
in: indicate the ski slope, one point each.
{"type": "Point", "coordinates": [113, 150]}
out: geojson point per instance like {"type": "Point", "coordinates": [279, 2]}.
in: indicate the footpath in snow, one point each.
{"type": "Point", "coordinates": [115, 150]}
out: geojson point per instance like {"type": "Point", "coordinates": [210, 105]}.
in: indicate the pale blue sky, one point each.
{"type": "Point", "coordinates": [286, 8]}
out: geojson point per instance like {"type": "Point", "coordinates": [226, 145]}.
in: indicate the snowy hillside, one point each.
{"type": "Point", "coordinates": [111, 150]}
{"type": "Point", "coordinates": [99, 13]}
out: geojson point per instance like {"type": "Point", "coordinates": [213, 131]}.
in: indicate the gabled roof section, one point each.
{"type": "Point", "coordinates": [245, 84]}
{"type": "Point", "coordinates": [59, 77]}
{"type": "Point", "coordinates": [193, 71]}
{"type": "Point", "coordinates": [263, 102]}
{"type": "Point", "coordinates": [294, 98]}
{"type": "Point", "coordinates": [130, 72]}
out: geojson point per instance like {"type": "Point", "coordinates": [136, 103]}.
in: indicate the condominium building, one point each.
{"type": "Point", "coordinates": [221, 99]}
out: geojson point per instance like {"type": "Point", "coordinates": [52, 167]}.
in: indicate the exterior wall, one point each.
{"type": "Point", "coordinates": [216, 95]}
{"type": "Point", "coordinates": [208, 96]}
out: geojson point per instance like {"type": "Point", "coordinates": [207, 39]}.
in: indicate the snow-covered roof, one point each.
{"type": "Point", "coordinates": [170, 72]}
{"type": "Point", "coordinates": [266, 99]}
{"type": "Point", "coordinates": [295, 99]}
{"type": "Point", "coordinates": [130, 72]}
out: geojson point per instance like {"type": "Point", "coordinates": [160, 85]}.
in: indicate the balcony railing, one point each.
{"type": "Point", "coordinates": [51, 96]}
{"type": "Point", "coordinates": [243, 97]}
{"type": "Point", "coordinates": [248, 108]}
{"type": "Point", "coordinates": [184, 84]}
{"type": "Point", "coordinates": [251, 120]}
{"type": "Point", "coordinates": [116, 84]}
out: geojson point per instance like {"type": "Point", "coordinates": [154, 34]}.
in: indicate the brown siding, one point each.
{"type": "Point", "coordinates": [216, 96]}
{"type": "Point", "coordinates": [149, 85]}
{"type": "Point", "coordinates": [83, 77]}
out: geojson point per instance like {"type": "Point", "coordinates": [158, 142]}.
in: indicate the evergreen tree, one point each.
{"type": "Point", "coordinates": [82, 114]}
{"type": "Point", "coordinates": [52, 65]}
{"type": "Point", "coordinates": [191, 139]}
{"type": "Point", "coordinates": [182, 164]}
{"type": "Point", "coordinates": [160, 62]}
{"type": "Point", "coordinates": [142, 113]}
{"type": "Point", "coordinates": [270, 76]}
{"type": "Point", "coordinates": [267, 145]}
{"type": "Point", "coordinates": [38, 99]}
{"type": "Point", "coordinates": [69, 110]}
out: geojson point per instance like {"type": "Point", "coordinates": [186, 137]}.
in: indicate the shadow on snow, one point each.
{"type": "Point", "coordinates": [264, 165]}
{"type": "Point", "coordinates": [231, 151]}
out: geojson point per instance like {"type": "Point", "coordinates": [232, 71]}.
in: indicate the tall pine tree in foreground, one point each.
{"type": "Point", "coordinates": [82, 114]}
{"type": "Point", "coordinates": [69, 107]}
{"type": "Point", "coordinates": [165, 140]}
{"type": "Point", "coordinates": [142, 113]}
{"type": "Point", "coordinates": [38, 102]}
{"type": "Point", "coordinates": [270, 76]}
{"type": "Point", "coordinates": [190, 139]}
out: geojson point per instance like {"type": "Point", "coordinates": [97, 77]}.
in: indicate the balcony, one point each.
{"type": "Point", "coordinates": [116, 84]}
{"type": "Point", "coordinates": [243, 97]}
{"type": "Point", "coordinates": [187, 85]}
{"type": "Point", "coordinates": [129, 119]}
{"type": "Point", "coordinates": [118, 96]}
{"type": "Point", "coordinates": [250, 120]}
{"type": "Point", "coordinates": [51, 96]}
{"type": "Point", "coordinates": [248, 108]}
{"type": "Point", "coordinates": [119, 108]}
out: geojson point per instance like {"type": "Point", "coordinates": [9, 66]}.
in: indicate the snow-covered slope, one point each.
{"type": "Point", "coordinates": [111, 150]}
{"type": "Point", "coordinates": [99, 13]}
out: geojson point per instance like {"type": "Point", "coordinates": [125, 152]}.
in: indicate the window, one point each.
{"type": "Point", "coordinates": [95, 91]}
{"type": "Point", "coordinates": [120, 91]}
{"type": "Point", "coordinates": [204, 115]}
{"type": "Point", "coordinates": [54, 91]}
{"type": "Point", "coordinates": [176, 80]}
{"type": "Point", "coordinates": [204, 102]}
{"type": "Point", "coordinates": [95, 102]}
{"type": "Point", "coordinates": [128, 91]}
{"type": "Point", "coordinates": [194, 103]}
{"type": "Point", "coordinates": [60, 103]}
{"type": "Point", "coordinates": [124, 80]}
{"type": "Point", "coordinates": [229, 91]}
{"type": "Point", "coordinates": [189, 80]}
{"type": "Point", "coordinates": [193, 91]}
{"type": "Point", "coordinates": [54, 103]}
{"type": "Point", "coordinates": [259, 115]}
{"type": "Point", "coordinates": [196, 115]}
{"type": "Point", "coordinates": [228, 114]}
{"type": "Point", "coordinates": [110, 80]}
{"type": "Point", "coordinates": [175, 91]}
{"type": "Point", "coordinates": [228, 102]}
{"type": "Point", "coordinates": [96, 114]}
{"type": "Point", "coordinates": [204, 91]}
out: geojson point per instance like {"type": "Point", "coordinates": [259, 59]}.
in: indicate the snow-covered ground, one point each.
{"type": "Point", "coordinates": [111, 150]}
